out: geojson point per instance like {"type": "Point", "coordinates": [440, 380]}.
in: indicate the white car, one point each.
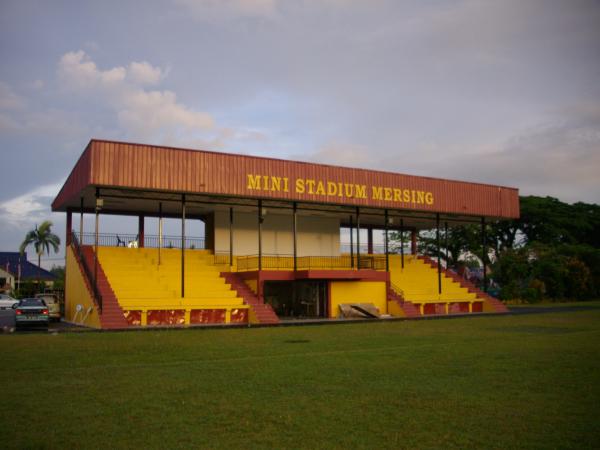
{"type": "Point", "coordinates": [53, 305]}
{"type": "Point", "coordinates": [7, 302]}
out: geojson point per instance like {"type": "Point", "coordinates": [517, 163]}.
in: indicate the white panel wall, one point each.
{"type": "Point", "coordinates": [317, 236]}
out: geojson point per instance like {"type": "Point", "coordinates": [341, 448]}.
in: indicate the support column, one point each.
{"type": "Point", "coordinates": [68, 235]}
{"type": "Point", "coordinates": [402, 242]}
{"type": "Point", "coordinates": [484, 253]}
{"type": "Point", "coordinates": [386, 245]}
{"type": "Point", "coordinates": [437, 240]}
{"type": "Point", "coordinates": [97, 211]}
{"type": "Point", "coordinates": [358, 238]}
{"type": "Point", "coordinates": [231, 236]}
{"type": "Point", "coordinates": [295, 230]}
{"type": "Point", "coordinates": [160, 230]}
{"type": "Point", "coordinates": [446, 243]}
{"type": "Point", "coordinates": [370, 240]}
{"type": "Point", "coordinates": [81, 221]}
{"type": "Point", "coordinates": [260, 221]}
{"type": "Point", "coordinates": [183, 246]}
{"type": "Point", "coordinates": [351, 243]}
{"type": "Point", "coordinates": [141, 231]}
{"type": "Point", "coordinates": [413, 242]}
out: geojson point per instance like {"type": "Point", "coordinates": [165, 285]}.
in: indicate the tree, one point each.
{"type": "Point", "coordinates": [42, 239]}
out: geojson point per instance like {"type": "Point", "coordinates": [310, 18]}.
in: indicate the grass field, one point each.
{"type": "Point", "coordinates": [530, 381]}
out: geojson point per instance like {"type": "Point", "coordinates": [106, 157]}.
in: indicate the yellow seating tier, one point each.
{"type": "Point", "coordinates": [138, 281]}
{"type": "Point", "coordinates": [419, 282]}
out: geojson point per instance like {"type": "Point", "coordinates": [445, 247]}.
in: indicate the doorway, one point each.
{"type": "Point", "coordinates": [297, 299]}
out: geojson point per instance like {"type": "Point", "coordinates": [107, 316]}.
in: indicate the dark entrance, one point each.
{"type": "Point", "coordinates": [297, 299]}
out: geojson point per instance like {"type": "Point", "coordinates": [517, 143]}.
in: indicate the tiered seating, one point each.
{"type": "Point", "coordinates": [419, 284]}
{"type": "Point", "coordinates": [142, 285]}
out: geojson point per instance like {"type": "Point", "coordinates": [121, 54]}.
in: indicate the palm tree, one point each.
{"type": "Point", "coordinates": [42, 239]}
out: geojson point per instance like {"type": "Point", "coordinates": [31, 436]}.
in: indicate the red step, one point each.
{"type": "Point", "coordinates": [111, 315]}
{"type": "Point", "coordinates": [410, 310]}
{"type": "Point", "coordinates": [264, 312]}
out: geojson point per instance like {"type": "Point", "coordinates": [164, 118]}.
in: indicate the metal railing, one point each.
{"type": "Point", "coordinates": [87, 271]}
{"type": "Point", "coordinates": [132, 240]}
{"type": "Point", "coordinates": [377, 248]}
{"type": "Point", "coordinates": [397, 289]}
{"type": "Point", "coordinates": [286, 262]}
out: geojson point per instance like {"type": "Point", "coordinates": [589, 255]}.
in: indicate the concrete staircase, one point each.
{"type": "Point", "coordinates": [408, 307]}
{"type": "Point", "coordinates": [111, 314]}
{"type": "Point", "coordinates": [264, 313]}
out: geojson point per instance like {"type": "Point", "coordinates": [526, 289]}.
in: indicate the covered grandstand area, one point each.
{"type": "Point", "coordinates": [271, 249]}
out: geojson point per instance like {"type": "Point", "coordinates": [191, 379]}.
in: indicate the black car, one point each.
{"type": "Point", "coordinates": [31, 311]}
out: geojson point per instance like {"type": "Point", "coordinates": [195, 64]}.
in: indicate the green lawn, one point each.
{"type": "Point", "coordinates": [530, 381]}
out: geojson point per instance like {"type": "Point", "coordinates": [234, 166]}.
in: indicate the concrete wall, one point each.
{"type": "Point", "coordinates": [317, 236]}
{"type": "Point", "coordinates": [77, 293]}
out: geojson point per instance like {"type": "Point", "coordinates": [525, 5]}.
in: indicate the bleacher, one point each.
{"type": "Point", "coordinates": [418, 282]}
{"type": "Point", "coordinates": [150, 293]}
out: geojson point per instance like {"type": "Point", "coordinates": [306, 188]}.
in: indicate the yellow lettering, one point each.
{"type": "Point", "coordinates": [348, 190]}
{"type": "Point", "coordinates": [413, 197]}
{"type": "Point", "coordinates": [361, 191]}
{"type": "Point", "coordinates": [275, 183]}
{"type": "Point", "coordinates": [429, 198]}
{"type": "Point", "coordinates": [420, 197]}
{"type": "Point", "coordinates": [253, 182]}
{"type": "Point", "coordinates": [340, 190]}
{"type": "Point", "coordinates": [265, 182]}
{"type": "Point", "coordinates": [331, 188]}
{"type": "Point", "coordinates": [388, 194]}
{"type": "Point", "coordinates": [320, 188]}
{"type": "Point", "coordinates": [300, 186]}
{"type": "Point", "coordinates": [397, 195]}
{"type": "Point", "coordinates": [285, 184]}
{"type": "Point", "coordinates": [377, 193]}
{"type": "Point", "coordinates": [406, 195]}
{"type": "Point", "coordinates": [311, 186]}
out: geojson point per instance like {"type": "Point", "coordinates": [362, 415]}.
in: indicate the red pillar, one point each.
{"type": "Point", "coordinates": [141, 231]}
{"type": "Point", "coordinates": [413, 242]}
{"type": "Point", "coordinates": [370, 240]}
{"type": "Point", "coordinates": [68, 236]}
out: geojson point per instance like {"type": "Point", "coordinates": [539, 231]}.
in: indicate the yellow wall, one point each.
{"type": "Point", "coordinates": [358, 292]}
{"type": "Point", "coordinates": [76, 293]}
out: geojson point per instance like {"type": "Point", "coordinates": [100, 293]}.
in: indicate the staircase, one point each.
{"type": "Point", "coordinates": [492, 301]}
{"type": "Point", "coordinates": [264, 312]}
{"type": "Point", "coordinates": [408, 307]}
{"type": "Point", "coordinates": [111, 315]}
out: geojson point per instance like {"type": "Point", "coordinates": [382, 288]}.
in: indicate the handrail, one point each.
{"type": "Point", "coordinates": [397, 289]}
{"type": "Point", "coordinates": [87, 271]}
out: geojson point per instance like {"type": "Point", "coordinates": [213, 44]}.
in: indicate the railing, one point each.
{"type": "Point", "coordinates": [132, 240]}
{"type": "Point", "coordinates": [286, 262]}
{"type": "Point", "coordinates": [397, 289]}
{"type": "Point", "coordinates": [87, 271]}
{"type": "Point", "coordinates": [377, 248]}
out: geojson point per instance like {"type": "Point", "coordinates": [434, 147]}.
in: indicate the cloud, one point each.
{"type": "Point", "coordinates": [30, 207]}
{"type": "Point", "coordinates": [144, 73]}
{"type": "Point", "coordinates": [9, 100]}
{"type": "Point", "coordinates": [143, 113]}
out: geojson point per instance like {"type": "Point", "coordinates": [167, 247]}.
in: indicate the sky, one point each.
{"type": "Point", "coordinates": [502, 92]}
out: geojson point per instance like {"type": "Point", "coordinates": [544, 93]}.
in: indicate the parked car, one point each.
{"type": "Point", "coordinates": [31, 311]}
{"type": "Point", "coordinates": [7, 302]}
{"type": "Point", "coordinates": [53, 305]}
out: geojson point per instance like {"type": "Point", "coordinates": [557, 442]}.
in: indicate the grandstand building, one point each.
{"type": "Point", "coordinates": [272, 248]}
